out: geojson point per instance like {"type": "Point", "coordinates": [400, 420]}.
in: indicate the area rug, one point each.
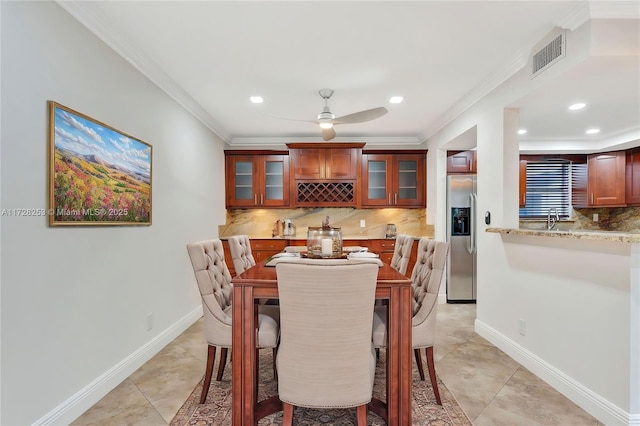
{"type": "Point", "coordinates": [217, 408]}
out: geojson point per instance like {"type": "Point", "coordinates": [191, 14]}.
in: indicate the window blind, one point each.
{"type": "Point", "coordinates": [548, 187]}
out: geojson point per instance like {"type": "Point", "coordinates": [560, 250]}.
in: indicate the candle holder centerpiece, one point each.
{"type": "Point", "coordinates": [324, 241]}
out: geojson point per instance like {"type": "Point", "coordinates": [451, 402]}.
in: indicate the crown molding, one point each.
{"type": "Point", "coordinates": [370, 141]}
{"type": "Point", "coordinates": [96, 24]}
{"type": "Point", "coordinates": [516, 63]}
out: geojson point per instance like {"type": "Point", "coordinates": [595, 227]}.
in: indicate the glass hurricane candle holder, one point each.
{"type": "Point", "coordinates": [324, 242]}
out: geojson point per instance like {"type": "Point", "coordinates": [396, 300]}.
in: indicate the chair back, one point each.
{"type": "Point", "coordinates": [326, 357]}
{"type": "Point", "coordinates": [401, 253]}
{"type": "Point", "coordinates": [425, 281]}
{"type": "Point", "coordinates": [214, 283]}
{"type": "Point", "coordinates": [240, 248]}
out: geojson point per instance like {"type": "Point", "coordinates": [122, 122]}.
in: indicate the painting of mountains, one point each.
{"type": "Point", "coordinates": [98, 175]}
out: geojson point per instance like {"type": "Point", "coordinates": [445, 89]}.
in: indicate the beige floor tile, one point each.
{"type": "Point", "coordinates": [490, 387]}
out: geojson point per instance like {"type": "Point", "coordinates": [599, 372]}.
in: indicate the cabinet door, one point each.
{"type": "Point", "coordinates": [241, 181]}
{"type": "Point", "coordinates": [408, 181]}
{"type": "Point", "coordinates": [340, 163]}
{"type": "Point", "coordinates": [461, 162]}
{"type": "Point", "coordinates": [606, 182]}
{"type": "Point", "coordinates": [523, 183]}
{"type": "Point", "coordinates": [376, 180]}
{"type": "Point", "coordinates": [633, 177]}
{"type": "Point", "coordinates": [274, 180]}
{"type": "Point", "coordinates": [308, 163]}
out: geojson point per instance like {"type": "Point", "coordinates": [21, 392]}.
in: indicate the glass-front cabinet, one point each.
{"type": "Point", "coordinates": [257, 180]}
{"type": "Point", "coordinates": [393, 180]}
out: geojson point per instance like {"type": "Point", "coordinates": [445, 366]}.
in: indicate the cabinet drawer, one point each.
{"type": "Point", "coordinates": [381, 246]}
{"type": "Point", "coordinates": [268, 245]}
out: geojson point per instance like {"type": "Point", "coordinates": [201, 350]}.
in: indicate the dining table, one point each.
{"type": "Point", "coordinates": [261, 282]}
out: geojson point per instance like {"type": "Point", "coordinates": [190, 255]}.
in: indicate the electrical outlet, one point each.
{"type": "Point", "coordinates": [595, 217]}
{"type": "Point", "coordinates": [149, 321]}
{"type": "Point", "coordinates": [522, 327]}
{"type": "Point", "coordinates": [362, 223]}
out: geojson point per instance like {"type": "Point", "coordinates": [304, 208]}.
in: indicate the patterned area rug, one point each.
{"type": "Point", "coordinates": [217, 408]}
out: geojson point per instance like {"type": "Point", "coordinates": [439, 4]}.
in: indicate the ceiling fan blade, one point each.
{"type": "Point", "coordinates": [361, 117]}
{"type": "Point", "coordinates": [328, 134]}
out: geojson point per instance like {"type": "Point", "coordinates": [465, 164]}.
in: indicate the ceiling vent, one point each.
{"type": "Point", "coordinates": [547, 53]}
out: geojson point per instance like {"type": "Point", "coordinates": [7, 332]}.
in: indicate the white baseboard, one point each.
{"type": "Point", "coordinates": [599, 407]}
{"type": "Point", "coordinates": [85, 398]}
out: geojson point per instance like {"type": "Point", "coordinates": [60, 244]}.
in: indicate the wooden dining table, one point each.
{"type": "Point", "coordinates": [260, 282]}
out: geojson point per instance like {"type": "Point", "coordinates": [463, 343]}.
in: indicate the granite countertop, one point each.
{"type": "Point", "coordinates": [616, 236]}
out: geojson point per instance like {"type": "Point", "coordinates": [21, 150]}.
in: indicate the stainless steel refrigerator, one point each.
{"type": "Point", "coordinates": [461, 234]}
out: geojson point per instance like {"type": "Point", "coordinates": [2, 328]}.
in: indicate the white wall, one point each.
{"type": "Point", "coordinates": [75, 299]}
{"type": "Point", "coordinates": [574, 297]}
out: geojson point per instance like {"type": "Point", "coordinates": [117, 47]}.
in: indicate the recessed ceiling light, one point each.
{"type": "Point", "coordinates": [396, 99]}
{"type": "Point", "coordinates": [522, 131]}
{"type": "Point", "coordinates": [577, 106]}
{"type": "Point", "coordinates": [256, 99]}
{"type": "Point", "coordinates": [592, 131]}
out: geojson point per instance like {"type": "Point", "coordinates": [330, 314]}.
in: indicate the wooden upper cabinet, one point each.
{"type": "Point", "coordinates": [461, 162]}
{"type": "Point", "coordinates": [633, 176]}
{"type": "Point", "coordinates": [523, 183]}
{"type": "Point", "coordinates": [396, 180]}
{"type": "Point", "coordinates": [606, 179]}
{"type": "Point", "coordinates": [325, 163]}
{"type": "Point", "coordinates": [257, 180]}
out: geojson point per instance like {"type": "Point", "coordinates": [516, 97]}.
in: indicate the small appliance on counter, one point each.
{"type": "Point", "coordinates": [392, 231]}
{"type": "Point", "coordinates": [283, 228]}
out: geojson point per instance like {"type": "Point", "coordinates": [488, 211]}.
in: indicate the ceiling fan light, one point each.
{"type": "Point", "coordinates": [396, 99]}
{"type": "Point", "coordinates": [325, 125]}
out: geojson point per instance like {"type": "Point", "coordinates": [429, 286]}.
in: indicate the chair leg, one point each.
{"type": "Point", "coordinates": [275, 369]}
{"type": "Point", "coordinates": [211, 356]}
{"type": "Point", "coordinates": [361, 415]}
{"type": "Point", "coordinates": [223, 361]}
{"type": "Point", "coordinates": [287, 414]}
{"type": "Point", "coordinates": [432, 373]}
{"type": "Point", "coordinates": [419, 363]}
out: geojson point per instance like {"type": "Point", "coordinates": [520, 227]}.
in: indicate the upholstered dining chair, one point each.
{"type": "Point", "coordinates": [214, 282]}
{"type": "Point", "coordinates": [425, 283]}
{"type": "Point", "coordinates": [401, 253]}
{"type": "Point", "coordinates": [326, 358]}
{"type": "Point", "coordinates": [240, 249]}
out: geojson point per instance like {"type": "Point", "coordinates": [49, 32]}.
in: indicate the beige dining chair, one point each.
{"type": "Point", "coordinates": [425, 282]}
{"type": "Point", "coordinates": [214, 282]}
{"type": "Point", "coordinates": [326, 358]}
{"type": "Point", "coordinates": [241, 255]}
{"type": "Point", "coordinates": [401, 253]}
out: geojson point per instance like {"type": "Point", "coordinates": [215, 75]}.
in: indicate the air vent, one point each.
{"type": "Point", "coordinates": [549, 54]}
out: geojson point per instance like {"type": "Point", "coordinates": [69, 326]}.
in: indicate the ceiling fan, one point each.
{"type": "Point", "coordinates": [326, 119]}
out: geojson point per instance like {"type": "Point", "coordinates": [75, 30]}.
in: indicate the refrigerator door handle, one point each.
{"type": "Point", "coordinates": [472, 241]}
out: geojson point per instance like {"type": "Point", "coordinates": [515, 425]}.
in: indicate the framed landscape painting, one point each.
{"type": "Point", "coordinates": [97, 175]}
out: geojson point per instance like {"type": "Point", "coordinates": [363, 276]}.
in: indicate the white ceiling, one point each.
{"type": "Point", "coordinates": [442, 56]}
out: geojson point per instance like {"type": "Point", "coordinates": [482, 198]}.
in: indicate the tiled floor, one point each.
{"type": "Point", "coordinates": [490, 387]}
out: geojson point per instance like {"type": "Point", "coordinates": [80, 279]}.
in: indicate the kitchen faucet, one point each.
{"type": "Point", "coordinates": [552, 220]}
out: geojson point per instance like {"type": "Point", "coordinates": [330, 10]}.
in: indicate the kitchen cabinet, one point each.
{"type": "Point", "coordinates": [606, 182]}
{"type": "Point", "coordinates": [633, 177]}
{"type": "Point", "coordinates": [324, 163]}
{"type": "Point", "coordinates": [257, 179]}
{"type": "Point", "coordinates": [523, 183]}
{"type": "Point", "coordinates": [461, 162]}
{"type": "Point", "coordinates": [325, 174]}
{"type": "Point", "coordinates": [393, 180]}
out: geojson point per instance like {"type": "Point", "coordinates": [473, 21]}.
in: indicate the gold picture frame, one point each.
{"type": "Point", "coordinates": [98, 175]}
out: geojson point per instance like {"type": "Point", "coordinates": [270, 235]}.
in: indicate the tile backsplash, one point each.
{"type": "Point", "coordinates": [623, 219]}
{"type": "Point", "coordinates": [259, 223]}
